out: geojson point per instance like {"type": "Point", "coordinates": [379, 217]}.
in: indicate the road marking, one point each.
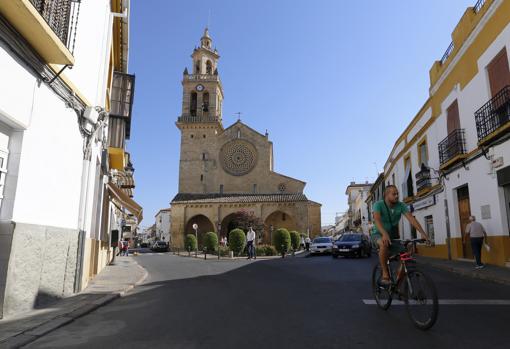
{"type": "Point", "coordinates": [452, 302]}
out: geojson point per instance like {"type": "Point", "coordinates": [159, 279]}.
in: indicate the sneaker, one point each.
{"type": "Point", "coordinates": [481, 266]}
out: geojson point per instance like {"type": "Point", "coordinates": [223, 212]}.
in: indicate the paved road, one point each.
{"type": "Point", "coordinates": [292, 303]}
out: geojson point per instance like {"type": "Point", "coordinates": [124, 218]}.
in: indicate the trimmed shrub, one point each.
{"type": "Point", "coordinates": [295, 240]}
{"type": "Point", "coordinates": [237, 241]}
{"type": "Point", "coordinates": [281, 240]}
{"type": "Point", "coordinates": [269, 250]}
{"type": "Point", "coordinates": [224, 251]}
{"type": "Point", "coordinates": [190, 243]}
{"type": "Point", "coordinates": [260, 251]}
{"type": "Point", "coordinates": [211, 241]}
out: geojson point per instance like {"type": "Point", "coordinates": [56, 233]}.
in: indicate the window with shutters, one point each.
{"type": "Point", "coordinates": [498, 72]}
{"type": "Point", "coordinates": [452, 117]}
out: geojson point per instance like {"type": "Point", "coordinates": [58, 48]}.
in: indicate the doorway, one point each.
{"type": "Point", "coordinates": [506, 188]}
{"type": "Point", "coordinates": [464, 213]}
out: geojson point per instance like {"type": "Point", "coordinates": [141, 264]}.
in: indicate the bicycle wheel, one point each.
{"type": "Point", "coordinates": [420, 297]}
{"type": "Point", "coordinates": [382, 294]}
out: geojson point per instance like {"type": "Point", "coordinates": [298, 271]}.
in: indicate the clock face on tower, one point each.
{"type": "Point", "coordinates": [199, 87]}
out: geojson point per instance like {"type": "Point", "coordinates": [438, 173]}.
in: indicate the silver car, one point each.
{"type": "Point", "coordinates": [321, 245]}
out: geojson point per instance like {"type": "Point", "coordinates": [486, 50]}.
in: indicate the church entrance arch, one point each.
{"type": "Point", "coordinates": [204, 226]}
{"type": "Point", "coordinates": [275, 220]}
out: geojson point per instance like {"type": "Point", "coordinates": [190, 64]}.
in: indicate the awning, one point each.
{"type": "Point", "coordinates": [125, 201]}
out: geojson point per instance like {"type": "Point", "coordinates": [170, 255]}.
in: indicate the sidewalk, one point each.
{"type": "Point", "coordinates": [200, 255]}
{"type": "Point", "coordinates": [492, 273]}
{"type": "Point", "coordinates": [113, 282]}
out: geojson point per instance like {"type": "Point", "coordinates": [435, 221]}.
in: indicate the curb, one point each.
{"type": "Point", "coordinates": [479, 275]}
{"type": "Point", "coordinates": [39, 331]}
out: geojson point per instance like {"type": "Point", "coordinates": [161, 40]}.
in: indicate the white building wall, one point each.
{"type": "Point", "coordinates": [45, 167]}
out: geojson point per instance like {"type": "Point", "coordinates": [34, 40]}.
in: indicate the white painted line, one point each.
{"type": "Point", "coordinates": [452, 302]}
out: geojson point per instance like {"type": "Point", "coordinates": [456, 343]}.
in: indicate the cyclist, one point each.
{"type": "Point", "coordinates": [387, 214]}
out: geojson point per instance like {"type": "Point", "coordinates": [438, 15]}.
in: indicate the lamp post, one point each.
{"type": "Point", "coordinates": [195, 227]}
{"type": "Point", "coordinates": [271, 234]}
{"type": "Point", "coordinates": [219, 234]}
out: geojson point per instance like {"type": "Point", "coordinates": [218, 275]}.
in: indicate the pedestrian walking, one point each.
{"type": "Point", "coordinates": [307, 243]}
{"type": "Point", "coordinates": [477, 234]}
{"type": "Point", "coordinates": [302, 244]}
{"type": "Point", "coordinates": [125, 248]}
{"type": "Point", "coordinates": [250, 238]}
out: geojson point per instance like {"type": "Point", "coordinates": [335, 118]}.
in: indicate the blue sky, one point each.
{"type": "Point", "coordinates": [334, 83]}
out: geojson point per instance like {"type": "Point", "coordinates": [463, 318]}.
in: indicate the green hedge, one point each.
{"type": "Point", "coordinates": [190, 243]}
{"type": "Point", "coordinates": [295, 240]}
{"type": "Point", "coordinates": [211, 241]}
{"type": "Point", "coordinates": [281, 240]}
{"type": "Point", "coordinates": [237, 241]}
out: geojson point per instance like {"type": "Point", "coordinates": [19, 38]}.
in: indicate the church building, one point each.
{"type": "Point", "coordinates": [224, 171]}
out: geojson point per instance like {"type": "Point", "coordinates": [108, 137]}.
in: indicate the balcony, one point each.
{"type": "Point", "coordinates": [492, 119]}
{"type": "Point", "coordinates": [198, 119]}
{"type": "Point", "coordinates": [452, 149]}
{"type": "Point", "coordinates": [423, 181]}
{"type": "Point", "coordinates": [49, 26]}
{"type": "Point", "coordinates": [202, 77]}
{"type": "Point", "coordinates": [121, 101]}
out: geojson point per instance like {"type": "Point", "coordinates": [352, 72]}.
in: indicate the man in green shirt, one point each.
{"type": "Point", "coordinates": [387, 214]}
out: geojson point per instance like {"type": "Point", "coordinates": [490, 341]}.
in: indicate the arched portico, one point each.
{"type": "Point", "coordinates": [204, 226]}
{"type": "Point", "coordinates": [277, 219]}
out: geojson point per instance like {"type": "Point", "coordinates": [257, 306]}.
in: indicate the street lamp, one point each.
{"type": "Point", "coordinates": [195, 226]}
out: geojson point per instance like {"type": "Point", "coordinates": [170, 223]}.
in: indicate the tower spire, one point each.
{"type": "Point", "coordinates": [206, 41]}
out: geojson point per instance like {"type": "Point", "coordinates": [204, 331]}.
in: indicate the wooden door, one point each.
{"type": "Point", "coordinates": [464, 213]}
{"type": "Point", "coordinates": [499, 73]}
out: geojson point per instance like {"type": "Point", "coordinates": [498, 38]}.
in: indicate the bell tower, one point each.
{"type": "Point", "coordinates": [202, 98]}
{"type": "Point", "coordinates": [200, 120]}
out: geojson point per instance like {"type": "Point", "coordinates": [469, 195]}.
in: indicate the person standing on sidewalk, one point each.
{"type": "Point", "coordinates": [477, 234]}
{"type": "Point", "coordinates": [250, 238]}
{"type": "Point", "coordinates": [307, 243]}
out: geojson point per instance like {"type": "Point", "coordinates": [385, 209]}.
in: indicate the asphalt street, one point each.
{"type": "Point", "coordinates": [314, 302]}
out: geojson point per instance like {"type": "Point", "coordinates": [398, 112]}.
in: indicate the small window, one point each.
{"type": "Point", "coordinates": [201, 178]}
{"type": "Point", "coordinates": [254, 189]}
{"type": "Point", "coordinates": [203, 136]}
{"type": "Point", "coordinates": [191, 136]}
{"type": "Point", "coordinates": [429, 227]}
{"type": "Point", "coordinates": [423, 153]}
{"type": "Point", "coordinates": [203, 156]}
{"type": "Point", "coordinates": [284, 217]}
{"type": "Point", "coordinates": [221, 188]}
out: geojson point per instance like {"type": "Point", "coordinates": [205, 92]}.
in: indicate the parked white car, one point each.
{"type": "Point", "coordinates": [321, 245]}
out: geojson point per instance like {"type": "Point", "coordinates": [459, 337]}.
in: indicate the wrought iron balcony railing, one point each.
{"type": "Point", "coordinates": [493, 115]}
{"type": "Point", "coordinates": [454, 144]}
{"type": "Point", "coordinates": [61, 16]}
{"type": "Point", "coordinates": [198, 119]}
{"type": "Point", "coordinates": [423, 180]}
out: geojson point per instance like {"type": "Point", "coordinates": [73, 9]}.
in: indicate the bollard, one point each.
{"type": "Point", "coordinates": [205, 253]}
{"type": "Point", "coordinates": [293, 253]}
{"type": "Point", "coordinates": [219, 252]}
{"type": "Point", "coordinates": [283, 251]}
{"type": "Point", "coordinates": [189, 251]}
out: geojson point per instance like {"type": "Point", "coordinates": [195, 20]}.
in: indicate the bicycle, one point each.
{"type": "Point", "coordinates": [409, 284]}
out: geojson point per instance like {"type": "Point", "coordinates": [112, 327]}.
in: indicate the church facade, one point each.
{"type": "Point", "coordinates": [224, 171]}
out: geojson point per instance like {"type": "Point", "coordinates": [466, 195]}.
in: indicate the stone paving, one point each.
{"type": "Point", "coordinates": [113, 282]}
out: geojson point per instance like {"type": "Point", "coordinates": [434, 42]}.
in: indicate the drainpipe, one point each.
{"type": "Point", "coordinates": [81, 217]}
{"type": "Point", "coordinates": [448, 234]}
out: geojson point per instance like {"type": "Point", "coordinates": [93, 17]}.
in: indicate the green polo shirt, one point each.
{"type": "Point", "coordinates": [396, 213]}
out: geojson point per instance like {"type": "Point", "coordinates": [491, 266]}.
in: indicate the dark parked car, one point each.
{"type": "Point", "coordinates": [160, 246]}
{"type": "Point", "coordinates": [352, 245]}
